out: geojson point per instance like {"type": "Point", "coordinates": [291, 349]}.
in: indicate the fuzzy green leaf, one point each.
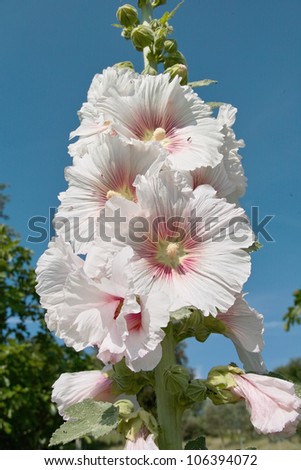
{"type": "Point", "coordinates": [197, 444]}
{"type": "Point", "coordinates": [87, 417]}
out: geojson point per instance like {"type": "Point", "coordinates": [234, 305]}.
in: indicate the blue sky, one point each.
{"type": "Point", "coordinates": [51, 49]}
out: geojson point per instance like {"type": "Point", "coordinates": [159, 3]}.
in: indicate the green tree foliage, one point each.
{"type": "Point", "coordinates": [31, 360]}
{"type": "Point", "coordinates": [293, 315]}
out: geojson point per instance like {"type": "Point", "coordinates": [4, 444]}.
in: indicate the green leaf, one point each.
{"type": "Point", "coordinates": [197, 444]}
{"type": "Point", "coordinates": [168, 15]}
{"type": "Point", "coordinates": [87, 417]}
{"type": "Point", "coordinates": [204, 82]}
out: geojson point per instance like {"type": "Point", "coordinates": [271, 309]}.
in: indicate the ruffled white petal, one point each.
{"type": "Point", "coordinates": [53, 268]}
{"type": "Point", "coordinates": [244, 325]}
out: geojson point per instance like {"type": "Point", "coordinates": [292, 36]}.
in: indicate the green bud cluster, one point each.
{"type": "Point", "coordinates": [152, 37]}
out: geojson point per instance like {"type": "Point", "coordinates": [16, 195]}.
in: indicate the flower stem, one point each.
{"type": "Point", "coordinates": [147, 16]}
{"type": "Point", "coordinates": [169, 410]}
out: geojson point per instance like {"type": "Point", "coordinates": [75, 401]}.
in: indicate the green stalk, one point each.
{"type": "Point", "coordinates": [147, 16]}
{"type": "Point", "coordinates": [169, 410]}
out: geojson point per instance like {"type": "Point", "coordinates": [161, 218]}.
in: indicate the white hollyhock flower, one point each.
{"type": "Point", "coordinates": [108, 169]}
{"type": "Point", "coordinates": [193, 246]}
{"type": "Point", "coordinates": [151, 108]}
{"type": "Point", "coordinates": [93, 120]}
{"type": "Point", "coordinates": [72, 388]}
{"type": "Point", "coordinates": [104, 313]}
{"type": "Point", "coordinates": [273, 404]}
{"type": "Point", "coordinates": [244, 326]}
{"type": "Point", "coordinates": [53, 267]}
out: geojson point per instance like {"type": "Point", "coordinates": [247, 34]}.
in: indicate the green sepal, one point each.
{"type": "Point", "coordinates": [126, 380]}
{"type": "Point", "coordinates": [197, 444]}
{"type": "Point", "coordinates": [87, 417]}
{"type": "Point", "coordinates": [201, 83]}
{"type": "Point", "coordinates": [130, 425]}
{"type": "Point", "coordinates": [176, 379]}
{"type": "Point", "coordinates": [196, 391]}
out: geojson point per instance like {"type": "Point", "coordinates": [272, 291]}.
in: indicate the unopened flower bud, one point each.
{"type": "Point", "coordinates": [170, 45]}
{"type": "Point", "coordinates": [127, 15]}
{"type": "Point", "coordinates": [126, 408]}
{"type": "Point", "coordinates": [220, 383]}
{"type": "Point", "coordinates": [179, 70]}
{"type": "Point", "coordinates": [174, 58]}
{"type": "Point", "coordinates": [142, 36]}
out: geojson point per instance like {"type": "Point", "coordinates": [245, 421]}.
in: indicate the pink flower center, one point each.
{"type": "Point", "coordinates": [157, 135]}
{"type": "Point", "coordinates": [170, 254]}
{"type": "Point", "coordinates": [133, 321]}
{"type": "Point", "coordinates": [126, 191]}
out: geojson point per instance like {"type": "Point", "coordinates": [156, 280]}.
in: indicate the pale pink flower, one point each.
{"type": "Point", "coordinates": [143, 441]}
{"type": "Point", "coordinates": [273, 404]}
{"type": "Point", "coordinates": [193, 247]}
{"type": "Point", "coordinates": [72, 388]}
{"type": "Point", "coordinates": [109, 168]}
{"type": "Point", "coordinates": [153, 108]}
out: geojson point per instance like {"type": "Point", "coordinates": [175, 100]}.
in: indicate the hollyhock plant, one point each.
{"type": "Point", "coordinates": [152, 247]}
